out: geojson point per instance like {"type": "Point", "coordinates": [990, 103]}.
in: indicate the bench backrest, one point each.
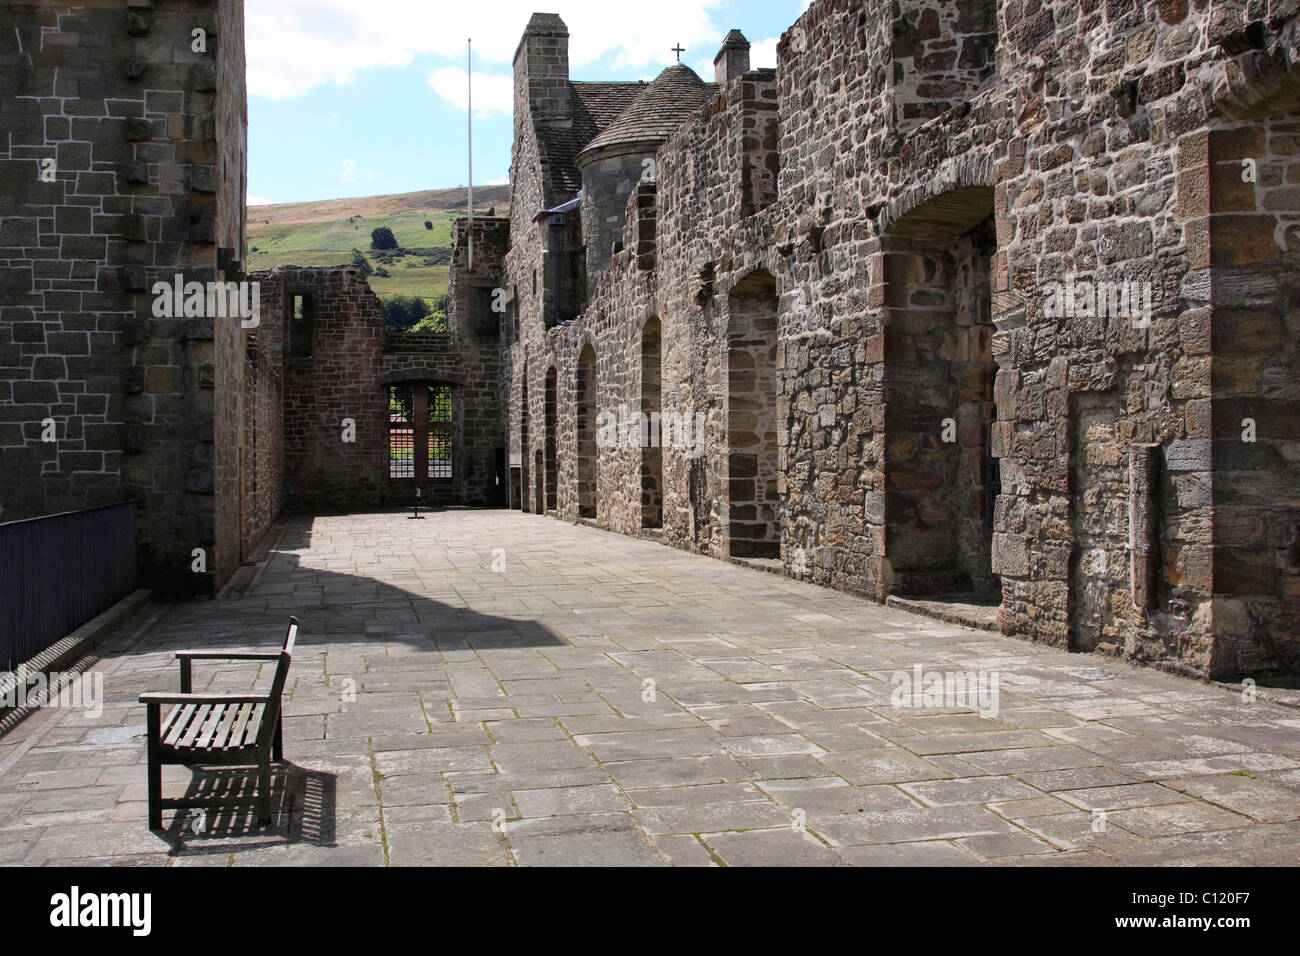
{"type": "Point", "coordinates": [271, 714]}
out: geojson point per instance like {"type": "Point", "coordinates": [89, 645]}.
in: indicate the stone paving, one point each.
{"type": "Point", "coordinates": [597, 699]}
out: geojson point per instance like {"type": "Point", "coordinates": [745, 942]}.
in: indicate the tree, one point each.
{"type": "Point", "coordinates": [359, 259]}
{"type": "Point", "coordinates": [402, 312]}
{"type": "Point", "coordinates": [436, 321]}
{"type": "Point", "coordinates": [383, 238]}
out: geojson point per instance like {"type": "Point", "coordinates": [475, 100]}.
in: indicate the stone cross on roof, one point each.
{"type": "Point", "coordinates": [679, 50]}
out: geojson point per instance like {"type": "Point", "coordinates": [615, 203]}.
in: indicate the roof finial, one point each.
{"type": "Point", "coordinates": [679, 50]}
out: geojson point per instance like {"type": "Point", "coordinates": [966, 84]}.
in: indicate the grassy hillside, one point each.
{"type": "Point", "coordinates": [325, 233]}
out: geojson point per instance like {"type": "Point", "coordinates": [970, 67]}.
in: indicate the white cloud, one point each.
{"type": "Point", "coordinates": [493, 94]}
{"type": "Point", "coordinates": [260, 201]}
{"type": "Point", "coordinates": [763, 54]}
{"type": "Point", "coordinates": [294, 46]}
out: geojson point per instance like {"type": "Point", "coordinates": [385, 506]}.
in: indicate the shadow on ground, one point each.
{"type": "Point", "coordinates": [303, 805]}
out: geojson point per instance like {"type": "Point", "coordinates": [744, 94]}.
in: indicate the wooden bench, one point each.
{"type": "Point", "coordinates": [228, 729]}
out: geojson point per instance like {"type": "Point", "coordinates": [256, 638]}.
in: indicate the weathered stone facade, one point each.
{"type": "Point", "coordinates": [338, 367]}
{"type": "Point", "coordinates": [848, 266]}
{"type": "Point", "coordinates": [123, 164]}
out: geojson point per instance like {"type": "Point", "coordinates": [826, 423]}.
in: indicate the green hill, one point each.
{"type": "Point", "coordinates": [325, 233]}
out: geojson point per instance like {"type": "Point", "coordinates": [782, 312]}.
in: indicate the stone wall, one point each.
{"type": "Point", "coordinates": [331, 374]}
{"type": "Point", "coordinates": [132, 126]}
{"type": "Point", "coordinates": [225, 161]}
{"type": "Point", "coordinates": [1253, 258]}
{"type": "Point", "coordinates": [949, 418]}
{"type": "Point", "coordinates": [262, 477]}
{"type": "Point", "coordinates": [338, 369]}
{"type": "Point", "coordinates": [943, 54]}
{"type": "Point", "coordinates": [607, 184]}
{"type": "Point", "coordinates": [480, 319]}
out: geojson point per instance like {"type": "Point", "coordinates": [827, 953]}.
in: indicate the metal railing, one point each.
{"type": "Point", "coordinates": [59, 571]}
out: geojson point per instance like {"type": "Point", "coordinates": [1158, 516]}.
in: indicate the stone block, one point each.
{"type": "Point", "coordinates": [1189, 455]}
{"type": "Point", "coordinates": [1010, 555]}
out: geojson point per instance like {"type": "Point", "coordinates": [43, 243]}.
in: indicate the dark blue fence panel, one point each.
{"type": "Point", "coordinates": [58, 572]}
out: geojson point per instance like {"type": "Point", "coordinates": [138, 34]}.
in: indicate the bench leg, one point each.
{"type": "Point", "coordinates": [155, 768]}
{"type": "Point", "coordinates": [264, 789]}
{"type": "Point", "coordinates": [277, 750]}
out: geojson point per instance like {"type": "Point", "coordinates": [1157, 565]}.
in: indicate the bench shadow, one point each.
{"type": "Point", "coordinates": [303, 805]}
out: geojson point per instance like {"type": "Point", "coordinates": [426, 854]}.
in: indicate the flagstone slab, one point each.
{"type": "Point", "coordinates": [933, 853]}
{"type": "Point", "coordinates": [907, 825]}
{"type": "Point", "coordinates": [1257, 799]}
{"type": "Point", "coordinates": [778, 847]}
{"type": "Point", "coordinates": [622, 848]}
{"type": "Point", "coordinates": [970, 790]}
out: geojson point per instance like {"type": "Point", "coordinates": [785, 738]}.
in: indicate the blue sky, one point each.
{"type": "Point", "coordinates": [350, 98]}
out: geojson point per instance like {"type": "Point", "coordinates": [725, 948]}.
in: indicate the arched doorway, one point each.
{"type": "Point", "coordinates": [587, 450]}
{"type": "Point", "coordinates": [652, 454]}
{"type": "Point", "coordinates": [753, 437]}
{"type": "Point", "coordinates": [940, 479]}
{"type": "Point", "coordinates": [523, 445]}
{"type": "Point", "coordinates": [552, 466]}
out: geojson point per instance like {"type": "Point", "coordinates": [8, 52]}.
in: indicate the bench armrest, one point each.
{"type": "Point", "coordinates": [167, 698]}
{"type": "Point", "coordinates": [186, 660]}
{"type": "Point", "coordinates": [229, 655]}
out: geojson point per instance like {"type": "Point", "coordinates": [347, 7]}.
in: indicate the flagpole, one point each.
{"type": "Point", "coordinates": [469, 75]}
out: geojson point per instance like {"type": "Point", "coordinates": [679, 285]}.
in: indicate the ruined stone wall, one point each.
{"type": "Point", "coordinates": [622, 301]}
{"type": "Point", "coordinates": [338, 380]}
{"type": "Point", "coordinates": [1103, 105]}
{"type": "Point", "coordinates": [133, 122]}
{"type": "Point", "coordinates": [347, 375]}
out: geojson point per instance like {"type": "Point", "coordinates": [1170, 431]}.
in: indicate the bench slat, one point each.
{"type": "Point", "coordinates": [243, 720]}
{"type": "Point", "coordinates": [192, 732]}
{"type": "Point", "coordinates": [180, 718]}
{"type": "Point", "coordinates": [233, 733]}
{"type": "Point", "coordinates": [254, 725]}
{"type": "Point", "coordinates": [164, 732]}
{"type": "Point", "coordinates": [222, 734]}
{"type": "Point", "coordinates": [215, 720]}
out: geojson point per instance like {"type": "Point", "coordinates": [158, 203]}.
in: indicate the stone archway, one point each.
{"type": "Point", "coordinates": [652, 454]}
{"type": "Point", "coordinates": [588, 453]}
{"type": "Point", "coordinates": [524, 469]}
{"type": "Point", "coordinates": [539, 493]}
{"type": "Point", "coordinates": [940, 479]}
{"type": "Point", "coordinates": [552, 464]}
{"type": "Point", "coordinates": [753, 437]}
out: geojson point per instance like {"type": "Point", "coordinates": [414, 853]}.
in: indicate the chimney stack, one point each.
{"type": "Point", "coordinates": [542, 72]}
{"type": "Point", "coordinates": [733, 59]}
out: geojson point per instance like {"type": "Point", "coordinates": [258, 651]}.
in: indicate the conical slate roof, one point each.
{"type": "Point", "coordinates": [655, 115]}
